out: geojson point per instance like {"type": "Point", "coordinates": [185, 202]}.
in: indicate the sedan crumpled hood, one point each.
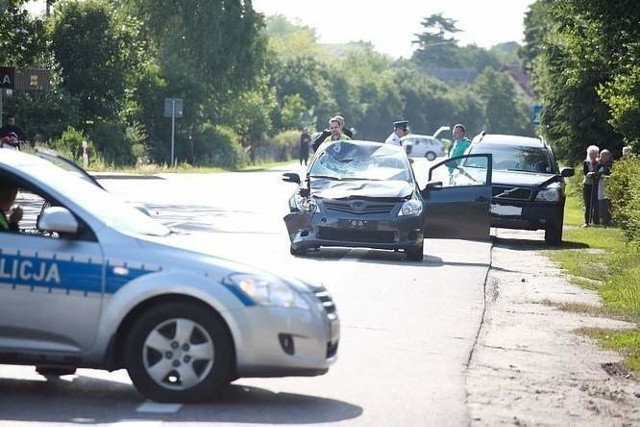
{"type": "Point", "coordinates": [329, 189]}
{"type": "Point", "coordinates": [520, 178]}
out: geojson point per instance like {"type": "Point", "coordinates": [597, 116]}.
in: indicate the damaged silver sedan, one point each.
{"type": "Point", "coordinates": [365, 194]}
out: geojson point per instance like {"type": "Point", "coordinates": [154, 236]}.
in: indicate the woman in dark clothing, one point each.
{"type": "Point", "coordinates": [590, 187]}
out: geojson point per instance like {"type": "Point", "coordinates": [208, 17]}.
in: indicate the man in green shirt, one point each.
{"type": "Point", "coordinates": [460, 143]}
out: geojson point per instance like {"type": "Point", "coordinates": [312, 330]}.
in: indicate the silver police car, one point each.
{"type": "Point", "coordinates": [90, 281]}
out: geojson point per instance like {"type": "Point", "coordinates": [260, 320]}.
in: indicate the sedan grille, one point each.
{"type": "Point", "coordinates": [359, 207]}
{"type": "Point", "coordinates": [357, 236]}
{"type": "Point", "coordinates": [502, 192]}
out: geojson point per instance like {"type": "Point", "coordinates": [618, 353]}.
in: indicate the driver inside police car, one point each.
{"type": "Point", "coordinates": [10, 213]}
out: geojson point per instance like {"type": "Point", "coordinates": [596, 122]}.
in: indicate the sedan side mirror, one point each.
{"type": "Point", "coordinates": [291, 177]}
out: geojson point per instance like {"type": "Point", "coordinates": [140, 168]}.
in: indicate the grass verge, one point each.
{"type": "Point", "coordinates": [599, 258]}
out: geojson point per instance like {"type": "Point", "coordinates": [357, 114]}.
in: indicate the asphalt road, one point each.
{"type": "Point", "coordinates": [407, 327]}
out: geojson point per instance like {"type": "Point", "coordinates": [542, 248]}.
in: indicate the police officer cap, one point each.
{"type": "Point", "coordinates": [401, 124]}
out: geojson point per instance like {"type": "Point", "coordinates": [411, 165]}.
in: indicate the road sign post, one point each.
{"type": "Point", "coordinates": [173, 108]}
{"type": "Point", "coordinates": [536, 112]}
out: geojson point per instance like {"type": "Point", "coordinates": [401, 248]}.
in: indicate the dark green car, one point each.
{"type": "Point", "coordinates": [528, 186]}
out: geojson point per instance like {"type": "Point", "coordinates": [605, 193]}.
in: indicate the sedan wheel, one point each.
{"type": "Point", "coordinates": [430, 156]}
{"type": "Point", "coordinates": [301, 251]}
{"type": "Point", "coordinates": [415, 253]}
{"type": "Point", "coordinates": [178, 352]}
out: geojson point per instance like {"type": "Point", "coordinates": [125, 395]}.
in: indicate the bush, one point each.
{"type": "Point", "coordinates": [70, 144]}
{"type": "Point", "coordinates": [623, 187]}
{"type": "Point", "coordinates": [219, 146]}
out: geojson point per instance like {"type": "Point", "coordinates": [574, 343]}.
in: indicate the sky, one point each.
{"type": "Point", "coordinates": [391, 25]}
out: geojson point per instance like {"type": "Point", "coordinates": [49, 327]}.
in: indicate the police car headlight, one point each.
{"type": "Point", "coordinates": [548, 195]}
{"type": "Point", "coordinates": [306, 204]}
{"type": "Point", "coordinates": [410, 207]}
{"type": "Point", "coordinates": [268, 291]}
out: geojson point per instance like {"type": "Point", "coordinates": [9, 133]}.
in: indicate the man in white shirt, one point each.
{"type": "Point", "coordinates": [400, 129]}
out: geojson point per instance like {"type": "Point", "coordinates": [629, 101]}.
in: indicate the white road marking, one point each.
{"type": "Point", "coordinates": [159, 408]}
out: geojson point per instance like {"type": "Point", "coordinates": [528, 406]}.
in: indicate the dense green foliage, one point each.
{"type": "Point", "coordinates": [244, 79]}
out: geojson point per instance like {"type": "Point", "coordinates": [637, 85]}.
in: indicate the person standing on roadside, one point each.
{"type": "Point", "coordinates": [305, 141]}
{"type": "Point", "coordinates": [589, 186]}
{"type": "Point", "coordinates": [400, 129]}
{"type": "Point", "coordinates": [604, 202]}
{"type": "Point", "coordinates": [12, 130]}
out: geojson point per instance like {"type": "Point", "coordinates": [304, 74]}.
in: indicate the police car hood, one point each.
{"type": "Point", "coordinates": [526, 179]}
{"type": "Point", "coordinates": [197, 253]}
{"type": "Point", "coordinates": [334, 189]}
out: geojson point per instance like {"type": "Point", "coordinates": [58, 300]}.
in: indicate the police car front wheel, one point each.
{"type": "Point", "coordinates": [178, 352]}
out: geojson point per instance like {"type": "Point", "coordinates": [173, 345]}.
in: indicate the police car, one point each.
{"type": "Point", "coordinates": [91, 282]}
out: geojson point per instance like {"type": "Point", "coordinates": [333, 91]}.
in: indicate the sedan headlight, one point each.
{"type": "Point", "coordinates": [306, 204]}
{"type": "Point", "coordinates": [267, 291]}
{"type": "Point", "coordinates": [411, 207]}
{"type": "Point", "coordinates": [548, 195]}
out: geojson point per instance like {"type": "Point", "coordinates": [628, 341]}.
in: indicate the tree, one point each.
{"type": "Point", "coordinates": [436, 45]}
{"type": "Point", "coordinates": [22, 38]}
{"type": "Point", "coordinates": [96, 56]}
{"type": "Point", "coordinates": [504, 111]}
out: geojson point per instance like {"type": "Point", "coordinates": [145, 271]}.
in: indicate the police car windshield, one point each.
{"type": "Point", "coordinates": [108, 209]}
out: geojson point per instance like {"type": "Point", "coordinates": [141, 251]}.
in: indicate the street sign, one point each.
{"type": "Point", "coordinates": [536, 113]}
{"type": "Point", "coordinates": [7, 78]}
{"type": "Point", "coordinates": [173, 107]}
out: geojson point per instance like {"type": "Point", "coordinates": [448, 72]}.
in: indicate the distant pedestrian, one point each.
{"type": "Point", "coordinates": [400, 129]}
{"type": "Point", "coordinates": [12, 130]}
{"type": "Point", "coordinates": [305, 142]}
{"type": "Point", "coordinates": [589, 186]}
{"type": "Point", "coordinates": [627, 152]}
{"type": "Point", "coordinates": [605, 163]}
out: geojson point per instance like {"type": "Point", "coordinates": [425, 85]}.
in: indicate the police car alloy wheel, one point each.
{"type": "Point", "coordinates": [179, 352]}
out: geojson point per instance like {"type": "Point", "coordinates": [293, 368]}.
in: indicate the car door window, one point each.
{"type": "Point", "coordinates": [462, 171]}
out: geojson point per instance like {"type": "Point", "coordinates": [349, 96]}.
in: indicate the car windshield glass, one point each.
{"type": "Point", "coordinates": [104, 206]}
{"type": "Point", "coordinates": [525, 159]}
{"type": "Point", "coordinates": [348, 161]}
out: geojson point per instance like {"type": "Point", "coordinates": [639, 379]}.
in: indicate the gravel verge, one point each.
{"type": "Point", "coordinates": [529, 367]}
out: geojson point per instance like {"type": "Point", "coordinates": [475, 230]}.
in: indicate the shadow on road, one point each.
{"type": "Point", "coordinates": [86, 400]}
{"type": "Point", "coordinates": [520, 244]}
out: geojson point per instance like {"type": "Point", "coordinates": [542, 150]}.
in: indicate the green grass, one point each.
{"type": "Point", "coordinates": [600, 259]}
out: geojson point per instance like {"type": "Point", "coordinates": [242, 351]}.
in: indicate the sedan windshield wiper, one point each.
{"type": "Point", "coordinates": [333, 178]}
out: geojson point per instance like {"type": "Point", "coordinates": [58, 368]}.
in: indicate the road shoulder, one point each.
{"type": "Point", "coordinates": [529, 367]}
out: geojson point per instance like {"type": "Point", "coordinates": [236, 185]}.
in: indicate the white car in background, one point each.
{"type": "Point", "coordinates": [427, 146]}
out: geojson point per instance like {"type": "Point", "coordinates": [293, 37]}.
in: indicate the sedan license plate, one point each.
{"type": "Point", "coordinates": [354, 224]}
{"type": "Point", "coordinates": [504, 210]}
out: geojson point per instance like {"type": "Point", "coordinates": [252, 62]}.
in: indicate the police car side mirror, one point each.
{"type": "Point", "coordinates": [57, 219]}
